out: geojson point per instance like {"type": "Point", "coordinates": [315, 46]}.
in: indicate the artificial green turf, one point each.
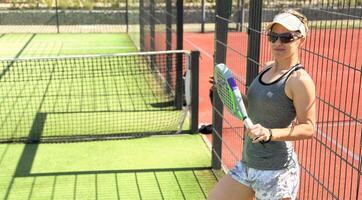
{"type": "Point", "coordinates": [155, 152]}
{"type": "Point", "coordinates": [64, 44]}
{"type": "Point", "coordinates": [85, 96]}
{"type": "Point", "coordinates": [92, 100]}
{"type": "Point", "coordinates": [77, 44]}
{"type": "Point", "coordinates": [12, 44]}
{"type": "Point", "coordinates": [93, 170]}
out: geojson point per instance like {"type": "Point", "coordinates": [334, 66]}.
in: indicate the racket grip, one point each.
{"type": "Point", "coordinates": [248, 123]}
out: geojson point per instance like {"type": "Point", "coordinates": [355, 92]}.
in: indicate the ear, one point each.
{"type": "Point", "coordinates": [301, 41]}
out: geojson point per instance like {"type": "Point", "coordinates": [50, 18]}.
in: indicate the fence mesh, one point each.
{"type": "Point", "coordinates": [331, 161]}
{"type": "Point", "coordinates": [63, 16]}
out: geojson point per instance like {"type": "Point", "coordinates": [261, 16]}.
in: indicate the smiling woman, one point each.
{"type": "Point", "coordinates": [281, 105]}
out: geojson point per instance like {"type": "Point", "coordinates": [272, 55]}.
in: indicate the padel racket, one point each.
{"type": "Point", "coordinates": [229, 93]}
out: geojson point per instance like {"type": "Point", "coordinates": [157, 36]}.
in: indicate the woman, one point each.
{"type": "Point", "coordinates": [281, 104]}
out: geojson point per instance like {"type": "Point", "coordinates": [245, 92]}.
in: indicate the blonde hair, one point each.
{"type": "Point", "coordinates": [300, 16]}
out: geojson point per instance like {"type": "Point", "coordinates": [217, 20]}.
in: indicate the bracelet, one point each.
{"type": "Point", "coordinates": [270, 136]}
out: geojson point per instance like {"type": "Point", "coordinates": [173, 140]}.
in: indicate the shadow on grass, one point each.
{"type": "Point", "coordinates": [161, 183]}
{"type": "Point", "coordinates": [166, 183]}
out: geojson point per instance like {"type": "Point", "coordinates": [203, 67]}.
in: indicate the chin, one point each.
{"type": "Point", "coordinates": [280, 56]}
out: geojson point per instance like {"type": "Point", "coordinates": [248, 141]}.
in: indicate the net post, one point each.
{"type": "Point", "coordinates": [252, 67]}
{"type": "Point", "coordinates": [195, 55]}
{"type": "Point", "coordinates": [223, 9]}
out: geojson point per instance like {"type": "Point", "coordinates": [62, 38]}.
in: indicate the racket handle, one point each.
{"type": "Point", "coordinates": [248, 123]}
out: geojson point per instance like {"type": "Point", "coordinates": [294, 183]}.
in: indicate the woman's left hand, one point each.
{"type": "Point", "coordinates": [258, 133]}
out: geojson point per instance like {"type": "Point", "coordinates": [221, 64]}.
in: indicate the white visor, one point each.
{"type": "Point", "coordinates": [289, 21]}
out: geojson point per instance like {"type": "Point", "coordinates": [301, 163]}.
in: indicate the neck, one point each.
{"type": "Point", "coordinates": [285, 64]}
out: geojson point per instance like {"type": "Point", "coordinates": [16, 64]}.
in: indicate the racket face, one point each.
{"type": "Point", "coordinates": [225, 85]}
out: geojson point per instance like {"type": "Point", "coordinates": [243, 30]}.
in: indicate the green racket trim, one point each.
{"type": "Point", "coordinates": [230, 94]}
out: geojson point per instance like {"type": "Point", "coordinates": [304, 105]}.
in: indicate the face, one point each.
{"type": "Point", "coordinates": [282, 48]}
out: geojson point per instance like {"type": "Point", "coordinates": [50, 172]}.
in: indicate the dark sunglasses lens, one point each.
{"type": "Point", "coordinates": [286, 38]}
{"type": "Point", "coordinates": [272, 37]}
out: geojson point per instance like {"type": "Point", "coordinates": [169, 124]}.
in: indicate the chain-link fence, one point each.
{"type": "Point", "coordinates": [331, 161]}
{"type": "Point", "coordinates": [59, 16]}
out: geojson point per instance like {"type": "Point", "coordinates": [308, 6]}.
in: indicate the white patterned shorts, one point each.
{"type": "Point", "coordinates": [268, 184]}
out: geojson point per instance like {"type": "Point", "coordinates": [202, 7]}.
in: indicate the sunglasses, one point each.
{"type": "Point", "coordinates": [283, 37]}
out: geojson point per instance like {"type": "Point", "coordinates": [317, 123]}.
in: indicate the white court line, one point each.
{"type": "Point", "coordinates": [354, 156]}
{"type": "Point", "coordinates": [341, 123]}
{"type": "Point", "coordinates": [76, 48]}
{"type": "Point", "coordinates": [198, 48]}
{"type": "Point", "coordinates": [97, 47]}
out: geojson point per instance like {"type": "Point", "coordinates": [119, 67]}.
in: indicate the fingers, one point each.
{"type": "Point", "coordinates": [260, 139]}
{"type": "Point", "coordinates": [258, 133]}
{"type": "Point", "coordinates": [211, 79]}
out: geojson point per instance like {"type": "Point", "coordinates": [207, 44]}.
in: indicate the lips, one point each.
{"type": "Point", "coordinates": [279, 49]}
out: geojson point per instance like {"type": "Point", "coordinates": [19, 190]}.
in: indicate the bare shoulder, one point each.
{"type": "Point", "coordinates": [300, 82]}
{"type": "Point", "coordinates": [299, 78]}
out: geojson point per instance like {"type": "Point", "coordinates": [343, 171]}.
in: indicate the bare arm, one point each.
{"type": "Point", "coordinates": [301, 89]}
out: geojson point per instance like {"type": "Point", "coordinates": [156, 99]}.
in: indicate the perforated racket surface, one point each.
{"type": "Point", "coordinates": [229, 93]}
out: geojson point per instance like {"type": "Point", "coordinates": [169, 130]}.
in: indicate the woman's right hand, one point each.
{"type": "Point", "coordinates": [258, 133]}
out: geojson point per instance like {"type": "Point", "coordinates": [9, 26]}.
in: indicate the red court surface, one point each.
{"type": "Point", "coordinates": [330, 162]}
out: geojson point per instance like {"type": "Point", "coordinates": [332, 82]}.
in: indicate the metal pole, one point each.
{"type": "Point", "coordinates": [169, 18]}
{"type": "Point", "coordinates": [253, 40]}
{"type": "Point", "coordinates": [223, 11]}
{"type": "Point", "coordinates": [179, 59]}
{"type": "Point", "coordinates": [152, 25]}
{"type": "Point", "coordinates": [127, 16]}
{"type": "Point", "coordinates": [203, 16]}
{"type": "Point", "coordinates": [195, 55]}
{"type": "Point", "coordinates": [57, 14]}
{"type": "Point", "coordinates": [142, 25]}
{"type": "Point", "coordinates": [238, 15]}
{"type": "Point", "coordinates": [180, 28]}
{"type": "Point", "coordinates": [242, 14]}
